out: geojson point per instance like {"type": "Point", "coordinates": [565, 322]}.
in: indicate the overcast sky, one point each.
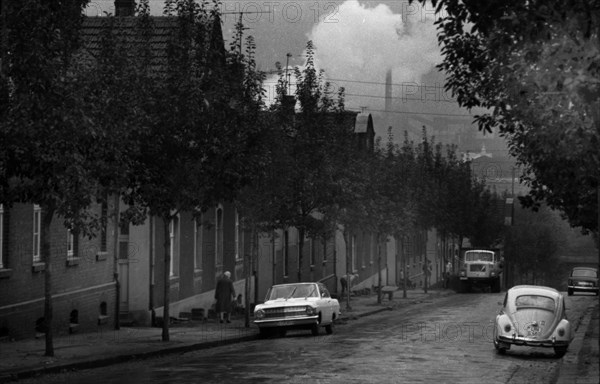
{"type": "Point", "coordinates": [357, 42]}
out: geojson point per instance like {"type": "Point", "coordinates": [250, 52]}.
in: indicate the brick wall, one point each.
{"type": "Point", "coordinates": [81, 284]}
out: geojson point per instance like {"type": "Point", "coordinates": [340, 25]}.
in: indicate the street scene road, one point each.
{"type": "Point", "coordinates": [444, 340]}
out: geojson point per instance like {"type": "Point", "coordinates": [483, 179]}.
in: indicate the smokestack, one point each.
{"type": "Point", "coordinates": [388, 90]}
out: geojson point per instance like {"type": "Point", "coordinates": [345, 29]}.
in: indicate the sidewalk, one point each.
{"type": "Point", "coordinates": [26, 358]}
{"type": "Point", "coordinates": [580, 364]}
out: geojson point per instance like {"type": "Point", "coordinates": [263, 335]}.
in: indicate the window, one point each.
{"type": "Point", "coordinates": [37, 233]}
{"type": "Point", "coordinates": [72, 244]}
{"type": "Point", "coordinates": [2, 236]}
{"type": "Point", "coordinates": [239, 238]}
{"type": "Point", "coordinates": [198, 243]}
{"type": "Point", "coordinates": [286, 245]}
{"type": "Point", "coordinates": [174, 250]}
{"type": "Point", "coordinates": [219, 236]}
{"type": "Point", "coordinates": [535, 301]}
{"type": "Point", "coordinates": [104, 228]}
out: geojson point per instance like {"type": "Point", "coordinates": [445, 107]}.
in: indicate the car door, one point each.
{"type": "Point", "coordinates": [325, 303]}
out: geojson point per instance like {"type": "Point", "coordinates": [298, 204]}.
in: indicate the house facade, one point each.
{"type": "Point", "coordinates": [83, 285]}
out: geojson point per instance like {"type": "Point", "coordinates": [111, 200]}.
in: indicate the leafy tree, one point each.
{"type": "Point", "coordinates": [316, 139]}
{"type": "Point", "coordinates": [534, 68]}
{"type": "Point", "coordinates": [531, 246]}
{"type": "Point", "coordinates": [198, 133]}
{"type": "Point", "coordinates": [54, 152]}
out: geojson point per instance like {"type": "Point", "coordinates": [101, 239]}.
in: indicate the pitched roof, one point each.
{"type": "Point", "coordinates": [128, 34]}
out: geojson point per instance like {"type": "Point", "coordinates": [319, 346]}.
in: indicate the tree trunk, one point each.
{"type": "Point", "coordinates": [248, 275]}
{"type": "Point", "coordinates": [345, 236]}
{"type": "Point", "coordinates": [379, 278]}
{"type": "Point", "coordinates": [47, 215]}
{"type": "Point", "coordinates": [301, 234]}
{"type": "Point", "coordinates": [274, 264]}
{"type": "Point", "coordinates": [166, 278]}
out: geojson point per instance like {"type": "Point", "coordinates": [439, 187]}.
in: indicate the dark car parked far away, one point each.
{"type": "Point", "coordinates": [583, 279]}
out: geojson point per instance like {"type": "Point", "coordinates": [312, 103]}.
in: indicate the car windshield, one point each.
{"type": "Point", "coordinates": [292, 291]}
{"type": "Point", "coordinates": [535, 301]}
{"type": "Point", "coordinates": [479, 256]}
{"type": "Point", "coordinates": [584, 273]}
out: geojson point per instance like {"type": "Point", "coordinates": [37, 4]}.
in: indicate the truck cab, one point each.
{"type": "Point", "coordinates": [480, 267]}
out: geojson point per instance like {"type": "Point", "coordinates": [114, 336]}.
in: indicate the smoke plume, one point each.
{"type": "Point", "coordinates": [361, 43]}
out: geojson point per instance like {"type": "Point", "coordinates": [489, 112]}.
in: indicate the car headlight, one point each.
{"type": "Point", "coordinates": [493, 274]}
{"type": "Point", "coordinates": [463, 273]}
{"type": "Point", "coordinates": [259, 313]}
{"type": "Point", "coordinates": [310, 311]}
{"type": "Point", "coordinates": [561, 332]}
{"type": "Point", "coordinates": [507, 328]}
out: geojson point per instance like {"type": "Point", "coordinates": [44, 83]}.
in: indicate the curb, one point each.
{"type": "Point", "coordinates": [567, 370]}
{"type": "Point", "coordinates": [103, 362]}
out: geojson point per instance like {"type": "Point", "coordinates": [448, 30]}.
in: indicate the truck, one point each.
{"type": "Point", "coordinates": [481, 268]}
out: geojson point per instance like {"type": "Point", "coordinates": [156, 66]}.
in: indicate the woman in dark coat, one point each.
{"type": "Point", "coordinates": [224, 293]}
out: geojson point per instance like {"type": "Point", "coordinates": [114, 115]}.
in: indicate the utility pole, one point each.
{"type": "Point", "coordinates": [287, 76]}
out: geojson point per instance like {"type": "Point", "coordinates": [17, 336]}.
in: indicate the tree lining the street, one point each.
{"type": "Point", "coordinates": [535, 68]}
{"type": "Point", "coordinates": [318, 137]}
{"type": "Point", "coordinates": [198, 142]}
{"type": "Point", "coordinates": [53, 152]}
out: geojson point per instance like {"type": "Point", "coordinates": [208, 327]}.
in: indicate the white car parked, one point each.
{"type": "Point", "coordinates": [296, 306]}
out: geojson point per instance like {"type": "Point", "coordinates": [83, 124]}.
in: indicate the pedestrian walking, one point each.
{"type": "Point", "coordinates": [346, 281]}
{"type": "Point", "coordinates": [448, 273]}
{"type": "Point", "coordinates": [224, 294]}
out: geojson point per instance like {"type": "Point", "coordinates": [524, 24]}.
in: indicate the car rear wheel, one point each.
{"type": "Point", "coordinates": [329, 328]}
{"type": "Point", "coordinates": [495, 288]}
{"type": "Point", "coordinates": [560, 351]}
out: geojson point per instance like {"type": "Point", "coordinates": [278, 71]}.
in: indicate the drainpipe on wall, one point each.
{"type": "Point", "coordinates": [273, 257]}
{"type": "Point", "coordinates": [151, 272]}
{"type": "Point", "coordinates": [116, 261]}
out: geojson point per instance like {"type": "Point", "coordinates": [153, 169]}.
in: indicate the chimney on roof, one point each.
{"type": "Point", "coordinates": [124, 8]}
{"type": "Point", "coordinates": [289, 104]}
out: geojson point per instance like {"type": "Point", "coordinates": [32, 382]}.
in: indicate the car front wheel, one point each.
{"type": "Point", "coordinates": [315, 330]}
{"type": "Point", "coordinates": [265, 332]}
{"type": "Point", "coordinates": [500, 349]}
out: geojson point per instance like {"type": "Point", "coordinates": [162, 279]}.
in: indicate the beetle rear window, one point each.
{"type": "Point", "coordinates": [535, 301]}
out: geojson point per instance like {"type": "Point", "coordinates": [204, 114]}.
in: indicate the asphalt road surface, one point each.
{"type": "Point", "coordinates": [446, 340]}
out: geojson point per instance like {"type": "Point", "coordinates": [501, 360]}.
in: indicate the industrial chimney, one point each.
{"type": "Point", "coordinates": [388, 90]}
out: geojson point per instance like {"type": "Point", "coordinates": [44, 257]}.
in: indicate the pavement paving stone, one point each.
{"type": "Point", "coordinates": [25, 358]}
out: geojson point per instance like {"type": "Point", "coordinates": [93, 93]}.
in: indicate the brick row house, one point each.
{"type": "Point", "coordinates": [84, 286]}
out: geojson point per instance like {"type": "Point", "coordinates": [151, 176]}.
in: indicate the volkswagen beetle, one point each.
{"type": "Point", "coordinates": [296, 306]}
{"type": "Point", "coordinates": [532, 316]}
